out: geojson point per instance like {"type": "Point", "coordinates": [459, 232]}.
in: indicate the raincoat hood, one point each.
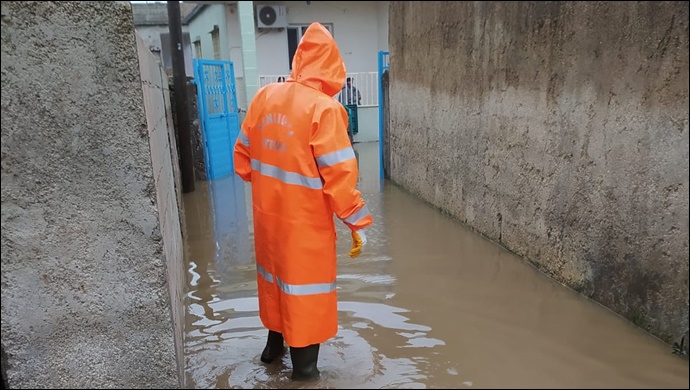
{"type": "Point", "coordinates": [317, 62]}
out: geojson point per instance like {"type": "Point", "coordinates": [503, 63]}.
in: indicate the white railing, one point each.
{"type": "Point", "coordinates": [366, 83]}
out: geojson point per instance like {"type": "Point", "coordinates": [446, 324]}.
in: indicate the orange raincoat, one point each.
{"type": "Point", "coordinates": [295, 150]}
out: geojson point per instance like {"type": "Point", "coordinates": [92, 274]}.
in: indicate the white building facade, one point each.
{"type": "Point", "coordinates": [360, 29]}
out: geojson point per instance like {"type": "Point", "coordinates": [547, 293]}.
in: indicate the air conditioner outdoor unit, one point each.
{"type": "Point", "coordinates": [271, 16]}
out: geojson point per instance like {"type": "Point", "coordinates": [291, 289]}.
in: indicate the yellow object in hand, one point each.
{"type": "Point", "coordinates": [359, 239]}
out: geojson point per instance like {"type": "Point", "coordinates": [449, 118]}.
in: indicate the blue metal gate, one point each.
{"type": "Point", "coordinates": [218, 114]}
{"type": "Point", "coordinates": [384, 65]}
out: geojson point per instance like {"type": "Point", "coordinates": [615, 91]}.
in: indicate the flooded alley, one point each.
{"type": "Point", "coordinates": [429, 304]}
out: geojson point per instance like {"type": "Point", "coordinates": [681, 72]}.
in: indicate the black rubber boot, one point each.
{"type": "Point", "coordinates": [304, 363]}
{"type": "Point", "coordinates": [274, 347]}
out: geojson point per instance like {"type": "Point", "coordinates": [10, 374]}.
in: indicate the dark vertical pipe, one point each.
{"type": "Point", "coordinates": [181, 103]}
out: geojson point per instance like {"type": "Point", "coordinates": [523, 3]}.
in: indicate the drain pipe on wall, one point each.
{"type": "Point", "coordinates": [184, 138]}
{"type": "Point", "coordinates": [251, 75]}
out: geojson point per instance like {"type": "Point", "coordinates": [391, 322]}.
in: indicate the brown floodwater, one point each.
{"type": "Point", "coordinates": [429, 304]}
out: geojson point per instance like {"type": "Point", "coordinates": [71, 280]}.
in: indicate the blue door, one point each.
{"type": "Point", "coordinates": [218, 114]}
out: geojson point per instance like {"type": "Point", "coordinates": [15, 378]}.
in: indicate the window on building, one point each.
{"type": "Point", "coordinates": [197, 49]}
{"type": "Point", "coordinates": [215, 38]}
{"type": "Point", "coordinates": [294, 36]}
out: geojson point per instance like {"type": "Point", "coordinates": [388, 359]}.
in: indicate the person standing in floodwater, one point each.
{"type": "Point", "coordinates": [349, 95]}
{"type": "Point", "coordinates": [294, 149]}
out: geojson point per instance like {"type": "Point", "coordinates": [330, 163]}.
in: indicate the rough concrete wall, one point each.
{"type": "Point", "coordinates": [156, 94]}
{"type": "Point", "coordinates": [84, 296]}
{"type": "Point", "coordinates": [560, 130]}
{"type": "Point", "coordinates": [173, 144]}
